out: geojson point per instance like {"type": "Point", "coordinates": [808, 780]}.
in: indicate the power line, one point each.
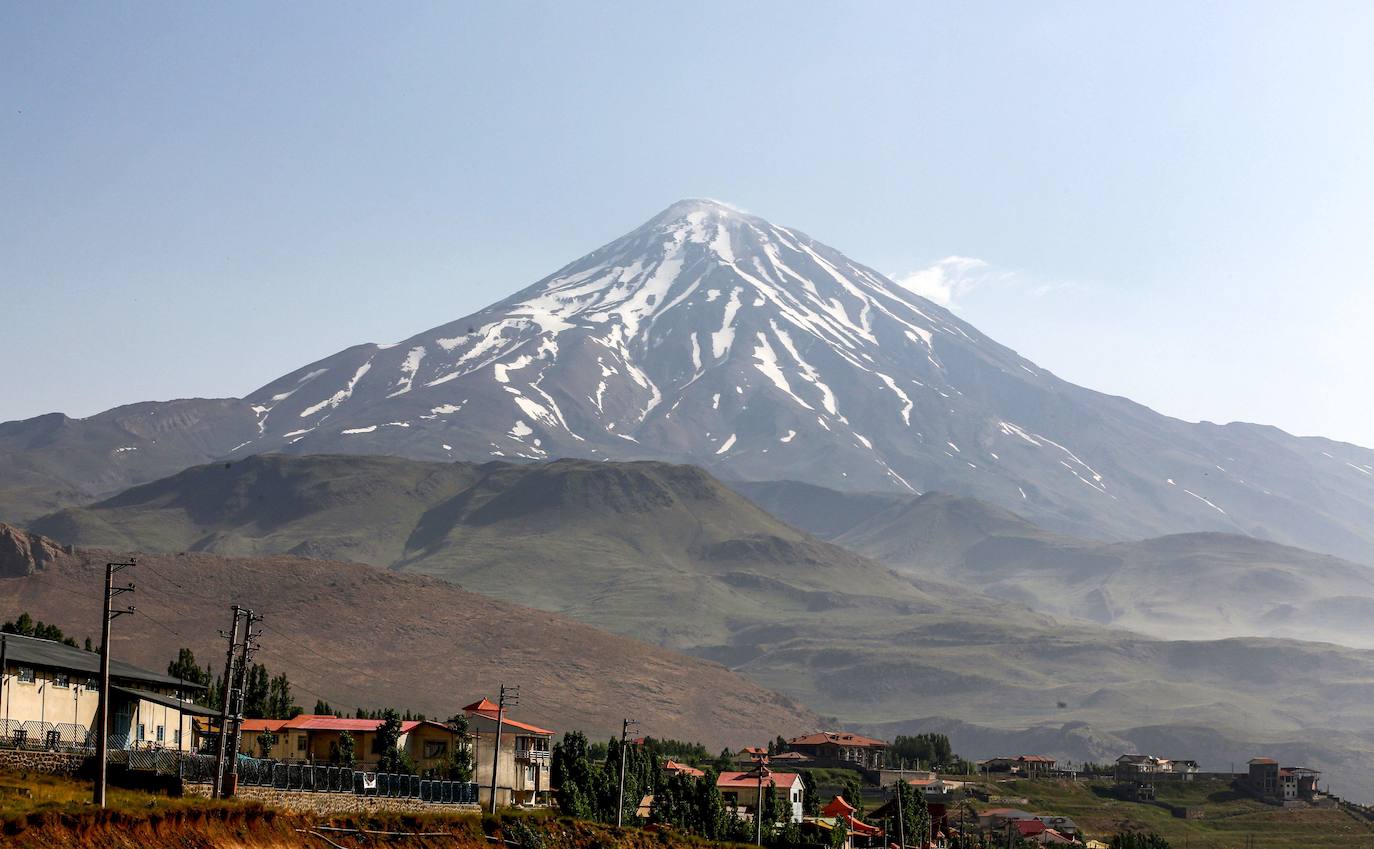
{"type": "Point", "coordinates": [143, 611]}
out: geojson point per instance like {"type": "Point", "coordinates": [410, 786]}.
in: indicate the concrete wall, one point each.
{"type": "Point", "coordinates": [331, 804]}
{"type": "Point", "coordinates": [47, 698]}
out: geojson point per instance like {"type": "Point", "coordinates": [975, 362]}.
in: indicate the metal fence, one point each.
{"type": "Point", "coordinates": [50, 736]}
{"type": "Point", "coordinates": [316, 778]}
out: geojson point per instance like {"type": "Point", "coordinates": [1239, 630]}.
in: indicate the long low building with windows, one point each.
{"type": "Point", "coordinates": [49, 693]}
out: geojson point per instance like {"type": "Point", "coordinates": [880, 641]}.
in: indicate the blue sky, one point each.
{"type": "Point", "coordinates": [1171, 202]}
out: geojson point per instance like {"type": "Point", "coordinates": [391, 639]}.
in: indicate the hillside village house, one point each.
{"type": "Point", "coordinates": [1137, 768]}
{"type": "Point", "coordinates": [1030, 766]}
{"type": "Point", "coordinates": [741, 791]}
{"type": "Point", "coordinates": [1284, 784]}
{"type": "Point", "coordinates": [865, 752]}
{"type": "Point", "coordinates": [314, 738]}
{"type": "Point", "coordinates": [49, 693]}
{"type": "Point", "coordinates": [522, 774]}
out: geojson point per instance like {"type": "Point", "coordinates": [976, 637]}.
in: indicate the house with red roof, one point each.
{"type": "Point", "coordinates": [741, 790]}
{"type": "Point", "coordinates": [860, 832]}
{"type": "Point", "coordinates": [841, 746]}
{"type": "Point", "coordinates": [522, 767]}
{"type": "Point", "coordinates": [682, 769]}
{"type": "Point", "coordinates": [315, 738]}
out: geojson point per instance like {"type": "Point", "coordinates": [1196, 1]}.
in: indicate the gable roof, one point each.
{"type": "Point", "coordinates": [735, 780]}
{"type": "Point", "coordinates": [328, 722]}
{"type": "Point", "coordinates": [842, 738]}
{"type": "Point", "coordinates": [487, 709]}
{"type": "Point", "coordinates": [50, 654]}
{"type": "Point", "coordinates": [674, 766]}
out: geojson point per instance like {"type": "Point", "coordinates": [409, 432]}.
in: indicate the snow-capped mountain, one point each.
{"type": "Point", "coordinates": [713, 337]}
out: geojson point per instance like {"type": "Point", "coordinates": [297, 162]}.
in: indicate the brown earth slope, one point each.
{"type": "Point", "coordinates": [360, 636]}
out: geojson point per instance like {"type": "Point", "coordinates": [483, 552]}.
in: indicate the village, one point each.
{"type": "Point", "coordinates": [822, 788]}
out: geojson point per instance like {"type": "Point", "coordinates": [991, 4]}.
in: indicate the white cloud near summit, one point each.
{"type": "Point", "coordinates": [949, 279]}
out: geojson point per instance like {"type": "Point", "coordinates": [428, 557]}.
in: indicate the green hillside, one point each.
{"type": "Point", "coordinates": [669, 554]}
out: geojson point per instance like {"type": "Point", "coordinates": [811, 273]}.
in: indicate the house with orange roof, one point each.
{"type": "Point", "coordinates": [860, 833]}
{"type": "Point", "coordinates": [842, 747]}
{"type": "Point", "coordinates": [741, 791]}
{"type": "Point", "coordinates": [315, 738]}
{"type": "Point", "coordinates": [522, 767]}
{"type": "Point", "coordinates": [682, 769]}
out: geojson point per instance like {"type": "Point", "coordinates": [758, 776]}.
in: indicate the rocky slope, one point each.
{"type": "Point", "coordinates": [715, 337]}
{"type": "Point", "coordinates": [359, 636]}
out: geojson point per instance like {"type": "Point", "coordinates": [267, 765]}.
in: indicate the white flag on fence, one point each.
{"type": "Point", "coordinates": [369, 781]}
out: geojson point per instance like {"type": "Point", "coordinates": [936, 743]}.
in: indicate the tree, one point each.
{"type": "Point", "coordinates": [460, 762]}
{"type": "Point", "coordinates": [279, 701]}
{"type": "Point", "coordinates": [915, 813]}
{"type": "Point", "coordinates": [186, 668]}
{"type": "Point", "coordinates": [839, 836]}
{"type": "Point", "coordinates": [25, 626]}
{"type": "Point", "coordinates": [710, 806]}
{"type": "Point", "coordinates": [811, 795]}
{"type": "Point", "coordinates": [572, 772]}
{"type": "Point", "coordinates": [391, 758]}
{"type": "Point", "coordinates": [854, 794]}
{"type": "Point", "coordinates": [256, 690]}
{"type": "Point", "coordinates": [346, 754]}
{"type": "Point", "coordinates": [266, 740]}
{"type": "Point", "coordinates": [1138, 840]}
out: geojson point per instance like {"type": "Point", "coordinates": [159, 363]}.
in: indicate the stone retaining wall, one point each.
{"type": "Point", "coordinates": [332, 804]}
{"type": "Point", "coordinates": [52, 763]}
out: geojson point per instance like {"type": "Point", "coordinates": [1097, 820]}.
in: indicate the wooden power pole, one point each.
{"type": "Point", "coordinates": [102, 721]}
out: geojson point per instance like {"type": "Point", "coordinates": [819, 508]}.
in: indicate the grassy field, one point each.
{"type": "Point", "coordinates": [28, 793]}
{"type": "Point", "coordinates": [1230, 821]}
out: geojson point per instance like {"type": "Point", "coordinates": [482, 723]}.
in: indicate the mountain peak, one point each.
{"type": "Point", "coordinates": [702, 208]}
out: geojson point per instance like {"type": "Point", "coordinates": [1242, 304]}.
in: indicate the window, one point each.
{"type": "Point", "coordinates": [92, 684]}
{"type": "Point", "coordinates": [142, 734]}
{"type": "Point", "coordinates": [26, 675]}
{"type": "Point", "coordinates": [176, 737]}
{"type": "Point", "coordinates": [61, 680]}
{"type": "Point", "coordinates": [436, 748]}
{"type": "Point", "coordinates": [300, 743]}
{"type": "Point", "coordinates": [161, 733]}
{"type": "Point", "coordinates": [376, 744]}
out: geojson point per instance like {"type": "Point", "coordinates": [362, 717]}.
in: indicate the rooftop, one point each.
{"type": "Point", "coordinates": [733, 780]}
{"type": "Point", "coordinates": [839, 737]}
{"type": "Point", "coordinates": [487, 709]}
{"type": "Point", "coordinates": [49, 654]}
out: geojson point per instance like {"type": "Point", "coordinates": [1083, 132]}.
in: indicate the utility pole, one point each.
{"type": "Point", "coordinates": [4, 673]}
{"type": "Point", "coordinates": [248, 649]}
{"type": "Point", "coordinates": [233, 636]}
{"type": "Point", "coordinates": [620, 808]}
{"type": "Point", "coordinates": [901, 813]}
{"type": "Point", "coordinates": [508, 695]}
{"type": "Point", "coordinates": [103, 707]}
{"type": "Point", "coordinates": [760, 772]}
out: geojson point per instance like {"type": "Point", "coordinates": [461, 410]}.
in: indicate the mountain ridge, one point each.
{"type": "Point", "coordinates": [712, 337]}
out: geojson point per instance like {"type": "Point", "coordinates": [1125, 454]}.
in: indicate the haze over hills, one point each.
{"type": "Point", "coordinates": [346, 632]}
{"type": "Point", "coordinates": [1183, 586]}
{"type": "Point", "coordinates": [714, 337]}
{"type": "Point", "coordinates": [668, 554]}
